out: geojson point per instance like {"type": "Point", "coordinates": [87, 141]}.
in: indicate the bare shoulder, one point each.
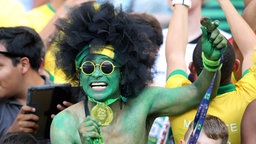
{"type": "Point", "coordinates": [68, 119]}
{"type": "Point", "coordinates": [76, 107]}
{"type": "Point", "coordinates": [74, 112]}
{"type": "Point", "coordinates": [77, 110]}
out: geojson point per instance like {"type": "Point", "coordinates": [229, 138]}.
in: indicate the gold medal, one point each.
{"type": "Point", "coordinates": [102, 113]}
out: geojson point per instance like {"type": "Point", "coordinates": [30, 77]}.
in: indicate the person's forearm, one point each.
{"type": "Point", "coordinates": [206, 76]}
{"type": "Point", "coordinates": [249, 14]}
{"type": "Point", "coordinates": [177, 38]}
{"type": "Point", "coordinates": [47, 33]}
{"type": "Point", "coordinates": [241, 32]}
{"type": "Point", "coordinates": [197, 91]}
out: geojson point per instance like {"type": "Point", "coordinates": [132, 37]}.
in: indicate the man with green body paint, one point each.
{"type": "Point", "coordinates": [110, 56]}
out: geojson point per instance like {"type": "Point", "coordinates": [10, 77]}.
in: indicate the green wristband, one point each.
{"type": "Point", "coordinates": [210, 65]}
{"type": "Point", "coordinates": [211, 68]}
{"type": "Point", "coordinates": [210, 62]}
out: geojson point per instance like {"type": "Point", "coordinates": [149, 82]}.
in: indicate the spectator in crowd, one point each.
{"type": "Point", "coordinates": [21, 52]}
{"type": "Point", "coordinates": [194, 34]}
{"type": "Point", "coordinates": [99, 45]}
{"type": "Point", "coordinates": [229, 94]}
{"type": "Point", "coordinates": [41, 19]}
{"type": "Point", "coordinates": [214, 131]}
{"type": "Point", "coordinates": [249, 118]}
{"type": "Point", "coordinates": [247, 14]}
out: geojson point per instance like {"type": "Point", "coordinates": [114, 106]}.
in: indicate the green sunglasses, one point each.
{"type": "Point", "coordinates": [106, 67]}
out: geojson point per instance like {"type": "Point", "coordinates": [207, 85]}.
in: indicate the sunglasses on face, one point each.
{"type": "Point", "coordinates": [106, 67]}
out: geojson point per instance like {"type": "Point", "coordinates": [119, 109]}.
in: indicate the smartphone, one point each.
{"type": "Point", "coordinates": [45, 99]}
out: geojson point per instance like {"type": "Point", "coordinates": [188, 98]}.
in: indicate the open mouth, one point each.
{"type": "Point", "coordinates": [98, 86]}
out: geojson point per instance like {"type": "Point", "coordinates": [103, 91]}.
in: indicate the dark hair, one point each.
{"type": "Point", "coordinates": [23, 41]}
{"type": "Point", "coordinates": [144, 18]}
{"type": "Point", "coordinates": [18, 138]}
{"type": "Point", "coordinates": [228, 62]}
{"type": "Point", "coordinates": [105, 25]}
{"type": "Point", "coordinates": [155, 35]}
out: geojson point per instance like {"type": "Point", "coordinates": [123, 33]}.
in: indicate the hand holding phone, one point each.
{"type": "Point", "coordinates": [25, 121]}
{"type": "Point", "coordinates": [48, 100]}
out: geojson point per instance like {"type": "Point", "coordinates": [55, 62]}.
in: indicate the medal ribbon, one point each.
{"type": "Point", "coordinates": [201, 114]}
{"type": "Point", "coordinates": [87, 113]}
{"type": "Point", "coordinates": [107, 102]}
{"type": "Point", "coordinates": [202, 111]}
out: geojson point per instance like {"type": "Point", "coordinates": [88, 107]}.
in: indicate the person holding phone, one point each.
{"type": "Point", "coordinates": [21, 53]}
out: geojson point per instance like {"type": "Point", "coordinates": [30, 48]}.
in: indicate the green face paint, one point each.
{"type": "Point", "coordinates": [98, 85]}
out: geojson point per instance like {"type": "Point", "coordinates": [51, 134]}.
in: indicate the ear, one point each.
{"type": "Point", "coordinates": [182, 141]}
{"type": "Point", "coordinates": [237, 65]}
{"type": "Point", "coordinates": [41, 65]}
{"type": "Point", "coordinates": [237, 69]}
{"type": "Point", "coordinates": [192, 68]}
{"type": "Point", "coordinates": [25, 65]}
{"type": "Point", "coordinates": [41, 69]}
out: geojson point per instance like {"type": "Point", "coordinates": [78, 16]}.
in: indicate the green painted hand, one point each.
{"type": "Point", "coordinates": [90, 132]}
{"type": "Point", "coordinates": [213, 44]}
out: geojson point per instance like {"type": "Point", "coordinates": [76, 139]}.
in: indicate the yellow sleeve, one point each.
{"type": "Point", "coordinates": [39, 17]}
{"type": "Point", "coordinates": [177, 78]}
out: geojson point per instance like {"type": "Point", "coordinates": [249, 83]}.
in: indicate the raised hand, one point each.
{"type": "Point", "coordinates": [213, 44]}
